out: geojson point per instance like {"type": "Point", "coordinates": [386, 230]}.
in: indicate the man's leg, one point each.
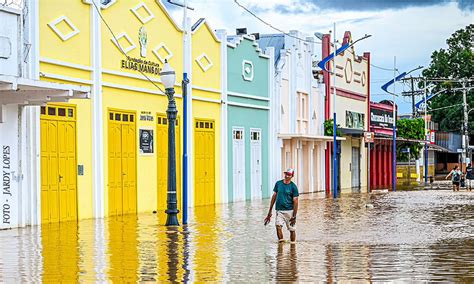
{"type": "Point", "coordinates": [279, 233]}
{"type": "Point", "coordinates": [293, 236]}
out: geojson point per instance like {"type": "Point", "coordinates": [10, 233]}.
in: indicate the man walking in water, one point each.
{"type": "Point", "coordinates": [285, 194]}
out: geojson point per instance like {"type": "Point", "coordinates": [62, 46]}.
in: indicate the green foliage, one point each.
{"type": "Point", "coordinates": [410, 129]}
{"type": "Point", "coordinates": [328, 128]}
{"type": "Point", "coordinates": [457, 61]}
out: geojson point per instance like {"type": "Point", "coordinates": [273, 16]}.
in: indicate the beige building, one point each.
{"type": "Point", "coordinates": [352, 105]}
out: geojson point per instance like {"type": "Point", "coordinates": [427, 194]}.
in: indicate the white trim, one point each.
{"type": "Point", "coordinates": [135, 89]}
{"type": "Point", "coordinates": [206, 67]}
{"type": "Point", "coordinates": [129, 75]}
{"type": "Point", "coordinates": [101, 6]}
{"type": "Point", "coordinates": [158, 47]}
{"type": "Point", "coordinates": [62, 36]}
{"type": "Point", "coordinates": [212, 31]}
{"type": "Point", "coordinates": [206, 100]}
{"type": "Point", "coordinates": [143, 20]}
{"type": "Point", "coordinates": [235, 94]}
{"type": "Point", "coordinates": [133, 76]}
{"type": "Point", "coordinates": [236, 40]}
{"type": "Point", "coordinates": [244, 71]}
{"type": "Point", "coordinates": [117, 44]}
{"type": "Point", "coordinates": [217, 91]}
{"type": "Point", "coordinates": [248, 105]}
{"type": "Point", "coordinates": [98, 147]}
{"type": "Point", "coordinates": [66, 78]}
{"type": "Point", "coordinates": [65, 64]}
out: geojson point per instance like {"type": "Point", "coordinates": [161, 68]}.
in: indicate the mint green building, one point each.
{"type": "Point", "coordinates": [249, 89]}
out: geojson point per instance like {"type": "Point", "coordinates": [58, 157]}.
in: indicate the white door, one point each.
{"type": "Point", "coordinates": [355, 169]}
{"type": "Point", "coordinates": [256, 163]}
{"type": "Point", "coordinates": [238, 164]}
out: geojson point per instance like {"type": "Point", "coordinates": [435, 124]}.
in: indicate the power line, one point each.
{"type": "Point", "coordinates": [382, 68]}
{"type": "Point", "coordinates": [271, 26]}
{"type": "Point", "coordinates": [120, 47]}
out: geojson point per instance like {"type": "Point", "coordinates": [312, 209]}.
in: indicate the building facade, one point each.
{"type": "Point", "coordinates": [297, 111]}
{"type": "Point", "coordinates": [381, 124]}
{"type": "Point", "coordinates": [108, 155]}
{"type": "Point", "coordinates": [249, 92]}
{"type": "Point", "coordinates": [352, 85]}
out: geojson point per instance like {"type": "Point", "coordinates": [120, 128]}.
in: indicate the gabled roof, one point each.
{"type": "Point", "coordinates": [201, 22]}
{"type": "Point", "coordinates": [277, 41]}
{"type": "Point", "coordinates": [163, 8]}
{"type": "Point", "coordinates": [234, 41]}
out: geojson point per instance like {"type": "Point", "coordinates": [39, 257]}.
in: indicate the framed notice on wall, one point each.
{"type": "Point", "coordinates": [146, 141]}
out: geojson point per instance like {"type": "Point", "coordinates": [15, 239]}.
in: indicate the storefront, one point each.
{"type": "Point", "coordinates": [381, 124]}
{"type": "Point", "coordinates": [248, 108]}
{"type": "Point", "coordinates": [352, 105]}
{"type": "Point", "coordinates": [122, 133]}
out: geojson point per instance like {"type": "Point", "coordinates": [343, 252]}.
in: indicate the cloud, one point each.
{"type": "Point", "coordinates": [311, 6]}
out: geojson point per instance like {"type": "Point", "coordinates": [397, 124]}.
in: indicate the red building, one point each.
{"type": "Point", "coordinates": [381, 123]}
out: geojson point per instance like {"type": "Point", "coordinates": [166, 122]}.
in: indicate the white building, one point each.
{"type": "Point", "coordinates": [297, 110]}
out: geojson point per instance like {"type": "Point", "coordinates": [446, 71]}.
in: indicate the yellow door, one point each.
{"type": "Point", "coordinates": [58, 164]}
{"type": "Point", "coordinates": [204, 188]}
{"type": "Point", "coordinates": [122, 163]}
{"type": "Point", "coordinates": [162, 158]}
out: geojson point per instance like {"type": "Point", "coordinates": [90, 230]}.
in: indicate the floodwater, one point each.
{"type": "Point", "coordinates": [418, 235]}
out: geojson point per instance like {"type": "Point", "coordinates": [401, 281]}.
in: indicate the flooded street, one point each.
{"type": "Point", "coordinates": [420, 235]}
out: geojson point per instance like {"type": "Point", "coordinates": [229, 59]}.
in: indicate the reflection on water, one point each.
{"type": "Point", "coordinates": [426, 235]}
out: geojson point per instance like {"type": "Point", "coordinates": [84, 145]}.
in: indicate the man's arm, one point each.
{"type": "Point", "coordinates": [450, 173]}
{"type": "Point", "coordinates": [274, 196]}
{"type": "Point", "coordinates": [269, 215]}
{"type": "Point", "coordinates": [295, 211]}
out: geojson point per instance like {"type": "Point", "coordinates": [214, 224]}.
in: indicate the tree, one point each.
{"type": "Point", "coordinates": [456, 62]}
{"type": "Point", "coordinates": [410, 129]}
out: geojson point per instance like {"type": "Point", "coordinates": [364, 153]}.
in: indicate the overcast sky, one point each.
{"type": "Point", "coordinates": [409, 30]}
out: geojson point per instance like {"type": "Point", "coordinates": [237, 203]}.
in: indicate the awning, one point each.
{"type": "Point", "coordinates": [17, 90]}
{"type": "Point", "coordinates": [309, 137]}
{"type": "Point", "coordinates": [351, 131]}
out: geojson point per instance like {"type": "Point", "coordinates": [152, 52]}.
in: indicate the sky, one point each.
{"type": "Point", "coordinates": [405, 31]}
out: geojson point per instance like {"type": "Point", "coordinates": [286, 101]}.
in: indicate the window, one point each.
{"type": "Point", "coordinates": [61, 111]}
{"type": "Point", "coordinates": [117, 116]}
{"type": "Point", "coordinates": [238, 134]}
{"type": "Point", "coordinates": [70, 112]}
{"type": "Point", "coordinates": [51, 111]}
{"type": "Point", "coordinates": [43, 110]}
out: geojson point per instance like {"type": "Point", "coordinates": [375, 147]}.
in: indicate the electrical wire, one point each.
{"type": "Point", "coordinates": [120, 47]}
{"type": "Point", "coordinates": [271, 26]}
{"type": "Point", "coordinates": [382, 68]}
{"type": "Point", "coordinates": [440, 108]}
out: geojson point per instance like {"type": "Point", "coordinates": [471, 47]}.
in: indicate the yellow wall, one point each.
{"type": "Point", "coordinates": [75, 50]}
{"type": "Point", "coordinates": [204, 41]}
{"type": "Point", "coordinates": [123, 90]}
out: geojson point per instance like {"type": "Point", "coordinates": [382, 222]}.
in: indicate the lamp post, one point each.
{"type": "Point", "coordinates": [168, 78]}
{"type": "Point", "coordinates": [394, 146]}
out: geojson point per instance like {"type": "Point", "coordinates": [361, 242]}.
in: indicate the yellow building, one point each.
{"type": "Point", "coordinates": [115, 157]}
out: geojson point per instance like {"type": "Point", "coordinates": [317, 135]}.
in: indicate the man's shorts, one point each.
{"type": "Point", "coordinates": [283, 218]}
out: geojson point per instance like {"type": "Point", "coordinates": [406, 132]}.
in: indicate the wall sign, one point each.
{"type": "Point", "coordinates": [381, 118]}
{"type": "Point", "coordinates": [137, 64]}
{"type": "Point", "coordinates": [146, 141]}
{"type": "Point", "coordinates": [355, 120]}
{"type": "Point", "coordinates": [146, 116]}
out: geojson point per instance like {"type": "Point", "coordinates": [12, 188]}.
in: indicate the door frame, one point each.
{"type": "Point", "coordinates": [358, 186]}
{"type": "Point", "coordinates": [239, 128]}
{"type": "Point", "coordinates": [74, 119]}
{"type": "Point", "coordinates": [109, 110]}
{"type": "Point", "coordinates": [213, 130]}
{"type": "Point", "coordinates": [260, 131]}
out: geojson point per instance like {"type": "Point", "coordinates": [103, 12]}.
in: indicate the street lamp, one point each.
{"type": "Point", "coordinates": [168, 78]}
{"type": "Point", "coordinates": [394, 146]}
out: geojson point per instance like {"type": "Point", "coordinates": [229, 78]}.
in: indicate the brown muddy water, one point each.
{"type": "Point", "coordinates": [405, 236]}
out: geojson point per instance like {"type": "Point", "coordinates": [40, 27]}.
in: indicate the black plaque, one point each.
{"type": "Point", "coordinates": [146, 141]}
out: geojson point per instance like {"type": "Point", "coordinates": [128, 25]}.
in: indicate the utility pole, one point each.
{"type": "Point", "coordinates": [426, 134]}
{"type": "Point", "coordinates": [412, 98]}
{"type": "Point", "coordinates": [466, 134]}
